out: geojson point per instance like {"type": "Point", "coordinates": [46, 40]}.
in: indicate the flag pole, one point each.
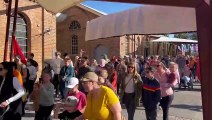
{"type": "Point", "coordinates": [14, 29]}
{"type": "Point", "coordinates": [8, 13]}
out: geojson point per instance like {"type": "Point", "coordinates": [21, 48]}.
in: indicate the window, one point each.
{"type": "Point", "coordinates": [75, 25]}
{"type": "Point", "coordinates": [21, 33]}
{"type": "Point", "coordinates": [74, 42]}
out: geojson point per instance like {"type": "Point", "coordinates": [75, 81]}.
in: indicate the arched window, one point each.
{"type": "Point", "coordinates": [21, 32]}
{"type": "Point", "coordinates": [74, 43]}
{"type": "Point", "coordinates": [74, 25]}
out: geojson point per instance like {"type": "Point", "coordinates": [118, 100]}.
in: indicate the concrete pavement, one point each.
{"type": "Point", "coordinates": [187, 105]}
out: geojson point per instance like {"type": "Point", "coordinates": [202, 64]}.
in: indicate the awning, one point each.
{"type": "Point", "coordinates": [148, 19]}
{"type": "Point", "coordinates": [175, 40]}
{"type": "Point", "coordinates": [57, 6]}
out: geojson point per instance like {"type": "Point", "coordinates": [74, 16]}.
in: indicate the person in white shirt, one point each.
{"type": "Point", "coordinates": [131, 90]}
{"type": "Point", "coordinates": [32, 74]}
{"type": "Point", "coordinates": [57, 64]}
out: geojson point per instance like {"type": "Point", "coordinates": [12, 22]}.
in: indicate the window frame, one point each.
{"type": "Point", "coordinates": [24, 47]}
{"type": "Point", "coordinates": [74, 44]}
{"type": "Point", "coordinates": [74, 25]}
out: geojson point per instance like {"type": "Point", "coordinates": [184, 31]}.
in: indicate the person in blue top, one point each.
{"type": "Point", "coordinates": [151, 94]}
{"type": "Point", "coordinates": [66, 71]}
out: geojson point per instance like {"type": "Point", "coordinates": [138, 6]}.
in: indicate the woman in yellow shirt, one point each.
{"type": "Point", "coordinates": [102, 102]}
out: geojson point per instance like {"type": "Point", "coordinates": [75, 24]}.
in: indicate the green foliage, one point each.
{"type": "Point", "coordinates": [191, 35]}
{"type": "Point", "coordinates": [186, 35]}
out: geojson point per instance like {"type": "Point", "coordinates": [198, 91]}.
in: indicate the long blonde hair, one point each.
{"type": "Point", "coordinates": [133, 64]}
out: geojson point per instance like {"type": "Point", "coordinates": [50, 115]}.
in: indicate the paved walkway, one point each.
{"type": "Point", "coordinates": [187, 105]}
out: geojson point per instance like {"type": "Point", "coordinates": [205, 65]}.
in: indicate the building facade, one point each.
{"type": "Point", "coordinates": [39, 33]}
{"type": "Point", "coordinates": [71, 38]}
{"type": "Point", "coordinates": [35, 32]}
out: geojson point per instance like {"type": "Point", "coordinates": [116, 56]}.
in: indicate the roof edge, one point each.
{"type": "Point", "coordinates": [100, 13]}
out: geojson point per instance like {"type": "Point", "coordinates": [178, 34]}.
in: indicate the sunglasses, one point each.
{"type": "Point", "coordinates": [130, 67]}
{"type": "Point", "coordinates": [147, 72]}
{"type": "Point", "coordinates": [85, 82]}
{"type": "Point", "coordinates": [1, 69]}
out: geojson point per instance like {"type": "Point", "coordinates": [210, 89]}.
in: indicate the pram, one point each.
{"type": "Point", "coordinates": [186, 82]}
{"type": "Point", "coordinates": [4, 112]}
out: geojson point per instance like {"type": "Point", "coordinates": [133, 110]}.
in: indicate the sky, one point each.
{"type": "Point", "coordinates": [110, 7]}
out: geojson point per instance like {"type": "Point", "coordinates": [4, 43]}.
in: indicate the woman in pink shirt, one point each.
{"type": "Point", "coordinates": [162, 75]}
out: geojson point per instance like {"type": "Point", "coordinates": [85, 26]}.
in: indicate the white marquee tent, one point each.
{"type": "Point", "coordinates": [148, 19]}
{"type": "Point", "coordinates": [56, 6]}
{"type": "Point", "coordinates": [175, 40]}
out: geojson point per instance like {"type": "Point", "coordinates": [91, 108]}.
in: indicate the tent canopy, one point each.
{"type": "Point", "coordinates": [175, 40]}
{"type": "Point", "coordinates": [148, 19]}
{"type": "Point", "coordinates": [57, 6]}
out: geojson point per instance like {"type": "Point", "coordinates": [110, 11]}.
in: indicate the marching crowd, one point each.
{"type": "Point", "coordinates": [93, 90]}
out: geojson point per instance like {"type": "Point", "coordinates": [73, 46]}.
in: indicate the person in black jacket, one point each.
{"type": "Point", "coordinates": [11, 92]}
{"type": "Point", "coordinates": [151, 94]}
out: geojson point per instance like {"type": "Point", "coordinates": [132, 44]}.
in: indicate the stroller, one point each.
{"type": "Point", "coordinates": [4, 112]}
{"type": "Point", "coordinates": [186, 82]}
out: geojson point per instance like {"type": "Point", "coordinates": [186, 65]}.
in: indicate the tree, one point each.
{"type": "Point", "coordinates": [190, 35]}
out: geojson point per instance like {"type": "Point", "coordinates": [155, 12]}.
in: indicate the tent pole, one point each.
{"type": "Point", "coordinates": [158, 46]}
{"type": "Point", "coordinates": [204, 31]}
{"type": "Point", "coordinates": [169, 51]}
{"type": "Point", "coordinates": [131, 50]}
{"type": "Point", "coordinates": [134, 45]}
{"type": "Point", "coordinates": [14, 28]}
{"type": "Point", "coordinates": [8, 13]}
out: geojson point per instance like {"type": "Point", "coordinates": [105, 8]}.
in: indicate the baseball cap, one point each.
{"type": "Point", "coordinates": [71, 101]}
{"type": "Point", "coordinates": [72, 82]}
{"type": "Point", "coordinates": [90, 76]}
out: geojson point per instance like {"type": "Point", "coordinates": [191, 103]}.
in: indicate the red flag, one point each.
{"type": "Point", "coordinates": [17, 50]}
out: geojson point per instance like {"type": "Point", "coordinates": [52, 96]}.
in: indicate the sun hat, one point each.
{"type": "Point", "coordinates": [72, 82]}
{"type": "Point", "coordinates": [90, 76]}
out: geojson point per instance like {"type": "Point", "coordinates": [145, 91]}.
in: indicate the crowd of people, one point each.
{"type": "Point", "coordinates": [93, 90]}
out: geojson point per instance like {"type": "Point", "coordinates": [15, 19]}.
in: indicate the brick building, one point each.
{"type": "Point", "coordinates": [36, 30]}
{"type": "Point", "coordinates": [71, 37]}
{"type": "Point", "coordinates": [39, 33]}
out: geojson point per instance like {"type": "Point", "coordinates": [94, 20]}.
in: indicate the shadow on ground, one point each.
{"type": "Point", "coordinates": [186, 89]}
{"type": "Point", "coordinates": [196, 88]}
{"type": "Point", "coordinates": [188, 107]}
